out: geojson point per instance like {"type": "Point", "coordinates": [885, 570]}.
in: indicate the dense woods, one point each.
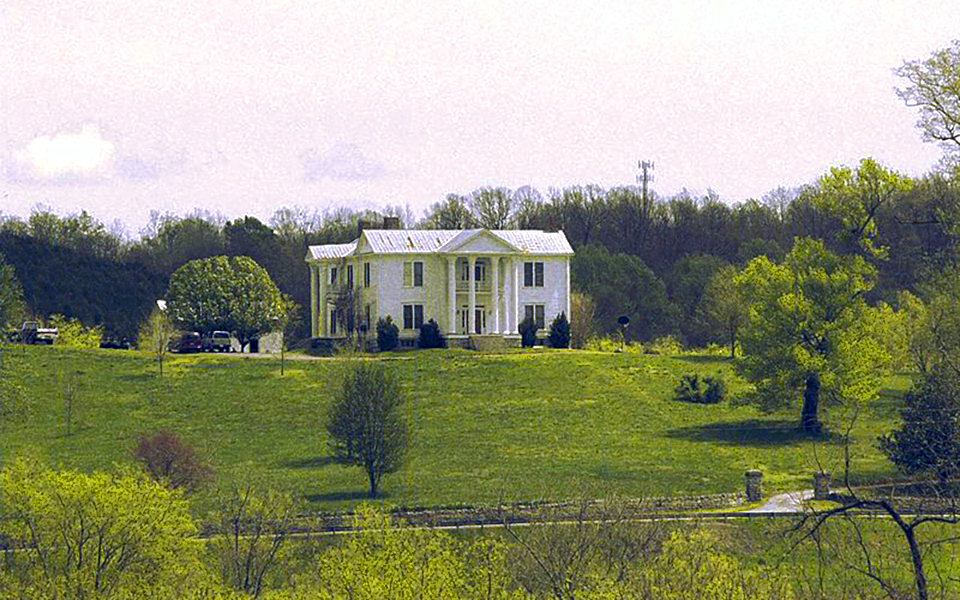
{"type": "Point", "coordinates": [905, 228]}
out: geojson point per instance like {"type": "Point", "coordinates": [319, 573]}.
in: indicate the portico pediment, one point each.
{"type": "Point", "coordinates": [478, 241]}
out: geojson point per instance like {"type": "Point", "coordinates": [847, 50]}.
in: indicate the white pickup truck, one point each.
{"type": "Point", "coordinates": [31, 334]}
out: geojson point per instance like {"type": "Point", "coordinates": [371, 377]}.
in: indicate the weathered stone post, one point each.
{"type": "Point", "coordinates": [753, 479]}
{"type": "Point", "coordinates": [821, 486]}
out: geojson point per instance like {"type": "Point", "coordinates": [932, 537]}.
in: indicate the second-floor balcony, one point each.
{"type": "Point", "coordinates": [480, 286]}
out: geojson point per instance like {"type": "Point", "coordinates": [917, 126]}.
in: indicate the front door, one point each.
{"type": "Point", "coordinates": [479, 324]}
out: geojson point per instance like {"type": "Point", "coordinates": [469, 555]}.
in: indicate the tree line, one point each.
{"type": "Point", "coordinates": [648, 257]}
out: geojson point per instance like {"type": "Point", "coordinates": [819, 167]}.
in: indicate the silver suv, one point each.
{"type": "Point", "coordinates": [217, 341]}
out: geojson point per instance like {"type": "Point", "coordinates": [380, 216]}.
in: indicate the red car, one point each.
{"type": "Point", "coordinates": [187, 342]}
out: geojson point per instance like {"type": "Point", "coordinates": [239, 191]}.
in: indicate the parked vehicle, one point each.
{"type": "Point", "coordinates": [112, 342]}
{"type": "Point", "coordinates": [186, 342]}
{"type": "Point", "coordinates": [31, 334]}
{"type": "Point", "coordinates": [217, 341]}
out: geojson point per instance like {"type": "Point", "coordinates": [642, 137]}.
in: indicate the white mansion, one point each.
{"type": "Point", "coordinates": [473, 282]}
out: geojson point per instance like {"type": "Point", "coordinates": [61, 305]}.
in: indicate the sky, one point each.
{"type": "Point", "coordinates": [240, 107]}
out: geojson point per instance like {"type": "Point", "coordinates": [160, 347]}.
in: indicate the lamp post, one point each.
{"type": "Point", "coordinates": [624, 321]}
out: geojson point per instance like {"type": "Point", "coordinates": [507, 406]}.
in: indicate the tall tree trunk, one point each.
{"type": "Point", "coordinates": [811, 402]}
{"type": "Point", "coordinates": [373, 481]}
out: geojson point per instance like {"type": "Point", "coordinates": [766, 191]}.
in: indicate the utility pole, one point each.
{"type": "Point", "coordinates": [645, 176]}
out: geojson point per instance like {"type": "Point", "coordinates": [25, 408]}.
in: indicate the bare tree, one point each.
{"type": "Point", "coordinates": [254, 527]}
{"type": "Point", "coordinates": [493, 208]}
{"type": "Point", "coordinates": [564, 543]}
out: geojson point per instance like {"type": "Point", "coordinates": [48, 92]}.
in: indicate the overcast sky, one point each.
{"type": "Point", "coordinates": [243, 106]}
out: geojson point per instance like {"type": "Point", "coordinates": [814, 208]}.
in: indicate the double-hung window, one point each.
{"type": "Point", "coordinates": [333, 276]}
{"type": "Point", "coordinates": [366, 274]}
{"type": "Point", "coordinates": [533, 274]}
{"type": "Point", "coordinates": [535, 313]}
{"type": "Point", "coordinates": [350, 276]}
{"type": "Point", "coordinates": [412, 316]}
{"type": "Point", "coordinates": [413, 274]}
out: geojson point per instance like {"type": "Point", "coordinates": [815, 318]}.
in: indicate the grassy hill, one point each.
{"type": "Point", "coordinates": [516, 426]}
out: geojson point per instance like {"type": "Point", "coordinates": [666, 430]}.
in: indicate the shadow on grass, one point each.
{"type": "Point", "coordinates": [351, 496]}
{"type": "Point", "coordinates": [752, 432]}
{"type": "Point", "coordinates": [703, 358]}
{"type": "Point", "coordinates": [311, 462]}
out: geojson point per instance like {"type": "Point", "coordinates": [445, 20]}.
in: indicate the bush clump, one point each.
{"type": "Point", "coordinates": [559, 336]}
{"type": "Point", "coordinates": [388, 334]}
{"type": "Point", "coordinates": [430, 336]}
{"type": "Point", "coordinates": [528, 332]}
{"type": "Point", "coordinates": [928, 438]}
{"type": "Point", "coordinates": [709, 390]}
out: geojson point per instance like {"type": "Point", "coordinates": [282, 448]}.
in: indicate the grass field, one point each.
{"type": "Point", "coordinates": [515, 426]}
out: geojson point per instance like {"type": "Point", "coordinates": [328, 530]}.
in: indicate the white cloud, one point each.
{"type": "Point", "coordinates": [84, 154]}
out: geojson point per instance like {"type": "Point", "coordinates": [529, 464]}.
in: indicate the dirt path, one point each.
{"type": "Point", "coordinates": [791, 502]}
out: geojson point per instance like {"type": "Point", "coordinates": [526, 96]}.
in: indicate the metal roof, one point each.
{"type": "Point", "coordinates": [331, 251]}
{"type": "Point", "coordinates": [426, 241]}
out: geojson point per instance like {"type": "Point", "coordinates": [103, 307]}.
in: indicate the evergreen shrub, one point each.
{"type": "Point", "coordinates": [388, 334]}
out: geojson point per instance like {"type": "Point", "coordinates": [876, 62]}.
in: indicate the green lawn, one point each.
{"type": "Point", "coordinates": [515, 426]}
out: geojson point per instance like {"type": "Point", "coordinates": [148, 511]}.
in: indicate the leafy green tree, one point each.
{"type": "Point", "coordinates": [155, 334]}
{"type": "Point", "coordinates": [687, 282]}
{"type": "Point", "coordinates": [854, 197]}
{"type": "Point", "coordinates": [928, 439]}
{"type": "Point", "coordinates": [11, 298]}
{"type": "Point", "coordinates": [622, 285]}
{"type": "Point", "coordinates": [170, 241]}
{"type": "Point", "coordinates": [365, 424]}
{"type": "Point", "coordinates": [807, 330]}
{"type": "Point", "coordinates": [934, 88]}
{"type": "Point", "coordinates": [224, 293]}
{"type": "Point", "coordinates": [559, 335]}
{"type": "Point", "coordinates": [381, 559]}
{"type": "Point", "coordinates": [287, 322]}
{"type": "Point", "coordinates": [95, 535]}
{"type": "Point", "coordinates": [696, 564]}
{"type": "Point", "coordinates": [73, 333]}
{"type": "Point", "coordinates": [724, 306]}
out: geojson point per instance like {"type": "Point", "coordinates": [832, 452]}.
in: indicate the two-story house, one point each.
{"type": "Point", "coordinates": [471, 282]}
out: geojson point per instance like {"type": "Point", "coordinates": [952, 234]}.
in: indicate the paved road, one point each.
{"type": "Point", "coordinates": [789, 503]}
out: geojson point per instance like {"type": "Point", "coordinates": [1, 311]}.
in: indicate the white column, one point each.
{"type": "Point", "coordinates": [495, 292]}
{"type": "Point", "coordinates": [567, 289]}
{"type": "Point", "coordinates": [452, 294]}
{"type": "Point", "coordinates": [472, 293]}
{"type": "Point", "coordinates": [515, 319]}
{"type": "Point", "coordinates": [322, 299]}
{"type": "Point", "coordinates": [313, 301]}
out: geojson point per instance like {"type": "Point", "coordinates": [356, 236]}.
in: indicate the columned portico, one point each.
{"type": "Point", "coordinates": [471, 295]}
{"type": "Point", "coordinates": [314, 324]}
{"type": "Point", "coordinates": [495, 292]}
{"type": "Point", "coordinates": [515, 292]}
{"type": "Point", "coordinates": [321, 305]}
{"type": "Point", "coordinates": [452, 294]}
